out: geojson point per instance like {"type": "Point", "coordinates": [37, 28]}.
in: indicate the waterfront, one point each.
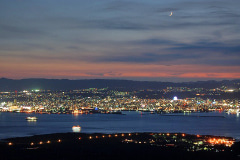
{"type": "Point", "coordinates": [211, 123]}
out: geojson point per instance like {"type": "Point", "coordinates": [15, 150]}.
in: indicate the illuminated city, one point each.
{"type": "Point", "coordinates": [108, 101]}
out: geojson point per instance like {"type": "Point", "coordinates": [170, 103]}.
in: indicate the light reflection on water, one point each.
{"type": "Point", "coordinates": [212, 123]}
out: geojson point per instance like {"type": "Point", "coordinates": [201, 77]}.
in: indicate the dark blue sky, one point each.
{"type": "Point", "coordinates": [134, 39]}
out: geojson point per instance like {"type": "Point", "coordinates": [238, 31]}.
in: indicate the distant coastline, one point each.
{"type": "Point", "coordinates": [66, 84]}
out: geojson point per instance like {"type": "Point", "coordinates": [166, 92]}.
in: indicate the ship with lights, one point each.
{"type": "Point", "coordinates": [31, 118]}
{"type": "Point", "coordinates": [76, 128]}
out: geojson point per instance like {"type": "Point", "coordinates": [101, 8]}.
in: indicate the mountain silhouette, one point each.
{"type": "Point", "coordinates": [127, 85]}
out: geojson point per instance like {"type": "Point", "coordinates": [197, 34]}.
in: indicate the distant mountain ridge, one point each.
{"type": "Point", "coordinates": [129, 85]}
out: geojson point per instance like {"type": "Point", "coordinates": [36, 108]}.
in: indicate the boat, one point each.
{"type": "Point", "coordinates": [31, 118]}
{"type": "Point", "coordinates": [76, 128]}
{"type": "Point", "coordinates": [114, 112]}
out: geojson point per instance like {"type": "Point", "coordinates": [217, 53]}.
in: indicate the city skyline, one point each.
{"type": "Point", "coordinates": [136, 40]}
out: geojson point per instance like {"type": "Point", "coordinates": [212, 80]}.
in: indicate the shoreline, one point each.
{"type": "Point", "coordinates": [109, 133]}
{"type": "Point", "coordinates": [112, 133]}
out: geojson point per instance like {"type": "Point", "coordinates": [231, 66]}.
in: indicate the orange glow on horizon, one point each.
{"type": "Point", "coordinates": [84, 70]}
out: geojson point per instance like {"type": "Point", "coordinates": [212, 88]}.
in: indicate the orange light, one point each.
{"type": "Point", "coordinates": [223, 141]}
{"type": "Point", "coordinates": [183, 135]}
{"type": "Point", "coordinates": [90, 137]}
{"type": "Point", "coordinates": [122, 134]}
{"type": "Point", "coordinates": [168, 134]}
{"type": "Point", "coordinates": [109, 135]}
{"type": "Point", "coordinates": [32, 143]}
{"type": "Point", "coordinates": [129, 134]}
{"type": "Point", "coordinates": [198, 136]}
{"type": "Point", "coordinates": [59, 140]}
{"type": "Point", "coordinates": [103, 136]}
{"type": "Point", "coordinates": [41, 142]}
{"type": "Point", "coordinates": [96, 136]}
{"type": "Point", "coordinates": [79, 138]}
{"type": "Point", "coordinates": [10, 143]}
{"type": "Point", "coordinates": [48, 141]}
{"type": "Point", "coordinates": [116, 135]}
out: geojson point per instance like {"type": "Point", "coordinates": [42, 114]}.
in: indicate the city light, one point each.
{"type": "Point", "coordinates": [220, 141]}
{"type": "Point", "coordinates": [58, 102]}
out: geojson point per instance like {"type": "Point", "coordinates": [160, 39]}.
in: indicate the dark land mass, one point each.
{"type": "Point", "coordinates": [110, 146]}
{"type": "Point", "coordinates": [125, 85]}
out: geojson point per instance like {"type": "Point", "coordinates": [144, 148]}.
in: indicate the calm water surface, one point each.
{"type": "Point", "coordinates": [213, 123]}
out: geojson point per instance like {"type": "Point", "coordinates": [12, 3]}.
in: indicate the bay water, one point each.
{"type": "Point", "coordinates": [211, 123]}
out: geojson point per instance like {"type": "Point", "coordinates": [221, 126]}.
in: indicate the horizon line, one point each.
{"type": "Point", "coordinates": [128, 79]}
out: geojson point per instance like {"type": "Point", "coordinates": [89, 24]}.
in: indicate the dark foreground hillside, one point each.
{"type": "Point", "coordinates": [103, 146]}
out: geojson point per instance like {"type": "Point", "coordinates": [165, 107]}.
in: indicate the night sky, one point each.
{"type": "Point", "coordinates": [118, 39]}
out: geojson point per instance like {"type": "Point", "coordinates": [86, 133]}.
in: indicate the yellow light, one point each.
{"type": "Point", "coordinates": [103, 136]}
{"type": "Point", "coordinates": [90, 137]}
{"type": "Point", "coordinates": [116, 135]}
{"type": "Point", "coordinates": [129, 134]}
